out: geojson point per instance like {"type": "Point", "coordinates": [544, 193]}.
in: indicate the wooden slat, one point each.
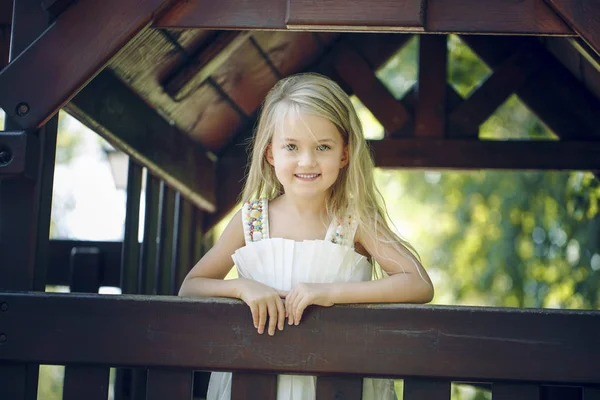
{"type": "Point", "coordinates": [249, 386]}
{"type": "Point", "coordinates": [405, 15]}
{"type": "Point", "coordinates": [553, 94]}
{"type": "Point", "coordinates": [374, 95]}
{"type": "Point", "coordinates": [408, 340]}
{"type": "Point", "coordinates": [582, 16]}
{"type": "Point", "coordinates": [147, 278]}
{"type": "Point", "coordinates": [377, 48]}
{"type": "Point", "coordinates": [116, 113]}
{"type": "Point", "coordinates": [430, 114]}
{"type": "Point", "coordinates": [169, 384]}
{"type": "Point", "coordinates": [56, 7]}
{"type": "Point", "coordinates": [442, 16]}
{"type": "Point", "coordinates": [130, 255]}
{"type": "Point", "coordinates": [508, 391]}
{"type": "Point", "coordinates": [337, 387]}
{"type": "Point", "coordinates": [426, 389]}
{"type": "Point", "coordinates": [506, 80]}
{"type": "Point", "coordinates": [40, 77]}
{"type": "Point", "coordinates": [183, 257]}
{"type": "Point", "coordinates": [553, 392]}
{"type": "Point", "coordinates": [476, 16]}
{"type": "Point", "coordinates": [289, 52]}
{"type": "Point", "coordinates": [164, 250]}
{"type": "Point", "coordinates": [82, 382]}
{"type": "Point", "coordinates": [223, 14]}
{"type": "Point", "coordinates": [85, 270]}
{"type": "Point", "coordinates": [475, 154]}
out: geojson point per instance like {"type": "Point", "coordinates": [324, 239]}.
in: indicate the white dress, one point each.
{"type": "Point", "coordinates": [284, 263]}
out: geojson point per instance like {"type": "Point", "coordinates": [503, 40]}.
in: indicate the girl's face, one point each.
{"type": "Point", "coordinates": [308, 155]}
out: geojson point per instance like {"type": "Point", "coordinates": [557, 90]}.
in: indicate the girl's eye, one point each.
{"type": "Point", "coordinates": [323, 147]}
{"type": "Point", "coordinates": [290, 147]}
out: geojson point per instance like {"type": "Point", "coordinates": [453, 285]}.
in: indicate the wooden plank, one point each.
{"type": "Point", "coordinates": [532, 17]}
{"type": "Point", "coordinates": [289, 52]}
{"type": "Point", "coordinates": [408, 340]}
{"type": "Point", "coordinates": [377, 48]}
{"type": "Point", "coordinates": [582, 17]}
{"type": "Point", "coordinates": [552, 392]}
{"type": "Point", "coordinates": [130, 253]}
{"type": "Point", "coordinates": [116, 113]}
{"type": "Point", "coordinates": [553, 94]}
{"type": "Point", "coordinates": [165, 241]}
{"type": "Point", "coordinates": [42, 80]}
{"type": "Point", "coordinates": [475, 154]}
{"type": "Point", "coordinates": [85, 270]}
{"type": "Point", "coordinates": [344, 15]}
{"type": "Point", "coordinates": [147, 277]}
{"type": "Point", "coordinates": [225, 14]}
{"type": "Point", "coordinates": [511, 391]}
{"type": "Point", "coordinates": [430, 114]}
{"type": "Point", "coordinates": [84, 382]}
{"type": "Point", "coordinates": [249, 386]}
{"type": "Point", "coordinates": [374, 95]}
{"type": "Point", "coordinates": [426, 389]}
{"type": "Point", "coordinates": [169, 384]}
{"type": "Point", "coordinates": [339, 388]}
{"type": "Point", "coordinates": [442, 16]}
{"type": "Point", "coordinates": [506, 80]}
{"type": "Point", "coordinates": [183, 257]}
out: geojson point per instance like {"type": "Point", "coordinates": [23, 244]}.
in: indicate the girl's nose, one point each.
{"type": "Point", "coordinates": [307, 159]}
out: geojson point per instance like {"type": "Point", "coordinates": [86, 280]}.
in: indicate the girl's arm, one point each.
{"type": "Point", "coordinates": [206, 280]}
{"type": "Point", "coordinates": [408, 282]}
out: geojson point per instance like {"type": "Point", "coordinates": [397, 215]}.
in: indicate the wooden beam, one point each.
{"type": "Point", "coordinates": [67, 55]}
{"type": "Point", "coordinates": [506, 79]}
{"type": "Point", "coordinates": [524, 17]}
{"type": "Point", "coordinates": [376, 49]}
{"type": "Point", "coordinates": [430, 114]}
{"type": "Point", "coordinates": [115, 112]}
{"type": "Point", "coordinates": [476, 154]}
{"type": "Point", "coordinates": [582, 17]}
{"type": "Point", "coordinates": [353, 69]}
{"type": "Point", "coordinates": [56, 7]}
{"type": "Point", "coordinates": [553, 94]}
{"type": "Point", "coordinates": [402, 340]}
{"type": "Point", "coordinates": [441, 16]}
{"type": "Point", "coordinates": [6, 7]}
{"type": "Point", "coordinates": [344, 15]}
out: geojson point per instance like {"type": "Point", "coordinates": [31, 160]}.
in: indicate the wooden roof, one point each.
{"type": "Point", "coordinates": [175, 97]}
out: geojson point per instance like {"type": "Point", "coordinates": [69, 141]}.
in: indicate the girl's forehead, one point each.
{"type": "Point", "coordinates": [306, 127]}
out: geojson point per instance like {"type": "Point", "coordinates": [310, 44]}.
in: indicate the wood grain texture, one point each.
{"type": "Point", "coordinates": [85, 382]}
{"type": "Point", "coordinates": [405, 15]}
{"type": "Point", "coordinates": [501, 16]}
{"type": "Point", "coordinates": [339, 387]}
{"type": "Point", "coordinates": [430, 114]}
{"type": "Point", "coordinates": [583, 17]}
{"type": "Point", "coordinates": [250, 386]}
{"type": "Point", "coordinates": [169, 384]}
{"type": "Point", "coordinates": [40, 76]}
{"type": "Point", "coordinates": [426, 389]}
{"type": "Point", "coordinates": [408, 340]}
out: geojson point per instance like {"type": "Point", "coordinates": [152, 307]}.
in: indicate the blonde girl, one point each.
{"type": "Point", "coordinates": [311, 224]}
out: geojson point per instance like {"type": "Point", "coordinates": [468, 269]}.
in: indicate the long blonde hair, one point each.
{"type": "Point", "coordinates": [354, 192]}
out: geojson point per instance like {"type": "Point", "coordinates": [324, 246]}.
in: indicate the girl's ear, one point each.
{"type": "Point", "coordinates": [269, 154]}
{"type": "Point", "coordinates": [345, 158]}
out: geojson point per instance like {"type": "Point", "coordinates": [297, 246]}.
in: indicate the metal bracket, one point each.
{"type": "Point", "coordinates": [18, 152]}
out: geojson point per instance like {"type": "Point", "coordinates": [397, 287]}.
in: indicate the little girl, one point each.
{"type": "Point", "coordinates": [310, 225]}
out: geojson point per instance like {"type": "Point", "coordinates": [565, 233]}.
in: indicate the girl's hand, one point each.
{"type": "Point", "coordinates": [263, 300]}
{"type": "Point", "coordinates": [302, 296]}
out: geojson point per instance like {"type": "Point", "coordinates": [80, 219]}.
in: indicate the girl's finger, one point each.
{"type": "Point", "coordinates": [289, 307]}
{"type": "Point", "coordinates": [300, 309]}
{"type": "Point", "coordinates": [272, 308]}
{"type": "Point", "coordinates": [283, 293]}
{"type": "Point", "coordinates": [254, 311]}
{"type": "Point", "coordinates": [262, 317]}
{"type": "Point", "coordinates": [280, 314]}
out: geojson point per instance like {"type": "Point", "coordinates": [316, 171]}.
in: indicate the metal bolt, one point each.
{"type": "Point", "coordinates": [5, 157]}
{"type": "Point", "coordinates": [3, 306]}
{"type": "Point", "coordinates": [3, 338]}
{"type": "Point", "coordinates": [22, 109]}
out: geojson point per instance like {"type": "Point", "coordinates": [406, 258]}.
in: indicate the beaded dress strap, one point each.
{"type": "Point", "coordinates": [255, 220]}
{"type": "Point", "coordinates": [342, 231]}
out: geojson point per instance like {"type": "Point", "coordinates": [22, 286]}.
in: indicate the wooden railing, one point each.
{"type": "Point", "coordinates": [516, 351]}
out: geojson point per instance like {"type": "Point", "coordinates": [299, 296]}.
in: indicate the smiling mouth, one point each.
{"type": "Point", "coordinates": [307, 176]}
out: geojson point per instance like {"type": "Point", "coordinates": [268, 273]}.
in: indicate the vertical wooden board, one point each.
{"type": "Point", "coordinates": [430, 114]}
{"type": "Point", "coordinates": [289, 52]}
{"type": "Point", "coordinates": [249, 386]}
{"type": "Point", "coordinates": [339, 388]}
{"type": "Point", "coordinates": [130, 258]}
{"type": "Point", "coordinates": [509, 391]}
{"type": "Point", "coordinates": [582, 17]}
{"type": "Point", "coordinates": [147, 277]}
{"type": "Point", "coordinates": [357, 14]}
{"type": "Point", "coordinates": [169, 384]}
{"type": "Point", "coordinates": [4, 44]}
{"type": "Point", "coordinates": [552, 392]}
{"type": "Point", "coordinates": [214, 121]}
{"type": "Point", "coordinates": [374, 95]}
{"type": "Point", "coordinates": [377, 48]}
{"type": "Point", "coordinates": [426, 389]}
{"type": "Point", "coordinates": [85, 270]}
{"type": "Point", "coordinates": [246, 77]}
{"type": "Point", "coordinates": [82, 382]}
